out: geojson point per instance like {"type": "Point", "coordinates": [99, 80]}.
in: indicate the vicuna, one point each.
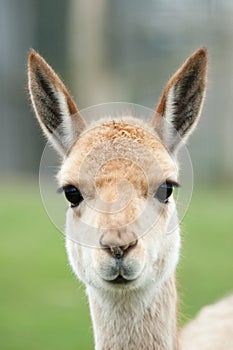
{"type": "Point", "coordinates": [118, 175]}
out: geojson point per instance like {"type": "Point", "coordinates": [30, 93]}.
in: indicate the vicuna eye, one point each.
{"type": "Point", "coordinates": [73, 195]}
{"type": "Point", "coordinates": [165, 191]}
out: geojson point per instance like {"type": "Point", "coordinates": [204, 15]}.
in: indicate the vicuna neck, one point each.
{"type": "Point", "coordinates": [144, 320]}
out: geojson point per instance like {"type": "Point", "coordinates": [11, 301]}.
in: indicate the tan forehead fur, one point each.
{"type": "Point", "coordinates": [114, 149]}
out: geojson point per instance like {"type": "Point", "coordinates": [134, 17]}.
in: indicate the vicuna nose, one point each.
{"type": "Point", "coordinates": [117, 242]}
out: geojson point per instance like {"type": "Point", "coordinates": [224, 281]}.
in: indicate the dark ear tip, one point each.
{"type": "Point", "coordinates": [31, 58]}
{"type": "Point", "coordinates": [32, 55]}
{"type": "Point", "coordinates": [200, 55]}
{"type": "Point", "coordinates": [202, 52]}
{"type": "Point", "coordinates": [34, 59]}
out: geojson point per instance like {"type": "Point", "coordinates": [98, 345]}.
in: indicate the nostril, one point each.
{"type": "Point", "coordinates": [116, 244]}
{"type": "Point", "coordinates": [117, 252]}
{"type": "Point", "coordinates": [133, 243]}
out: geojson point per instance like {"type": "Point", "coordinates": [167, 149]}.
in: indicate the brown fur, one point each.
{"type": "Point", "coordinates": [102, 135]}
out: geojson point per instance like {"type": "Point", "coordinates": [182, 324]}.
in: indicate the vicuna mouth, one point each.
{"type": "Point", "coordinates": [120, 280]}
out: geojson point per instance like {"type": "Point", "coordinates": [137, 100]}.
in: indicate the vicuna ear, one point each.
{"type": "Point", "coordinates": [179, 108]}
{"type": "Point", "coordinates": [53, 105]}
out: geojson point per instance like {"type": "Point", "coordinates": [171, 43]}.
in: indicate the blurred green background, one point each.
{"type": "Point", "coordinates": [116, 51]}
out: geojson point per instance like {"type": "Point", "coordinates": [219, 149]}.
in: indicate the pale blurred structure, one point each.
{"type": "Point", "coordinates": [116, 51]}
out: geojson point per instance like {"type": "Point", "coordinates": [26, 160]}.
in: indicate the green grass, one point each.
{"type": "Point", "coordinates": [42, 306]}
{"type": "Point", "coordinates": [206, 265]}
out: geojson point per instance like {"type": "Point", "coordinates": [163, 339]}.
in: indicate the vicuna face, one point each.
{"type": "Point", "coordinates": [120, 189]}
{"type": "Point", "coordinates": [118, 175]}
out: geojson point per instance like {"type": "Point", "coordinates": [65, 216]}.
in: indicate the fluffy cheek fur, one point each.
{"type": "Point", "coordinates": [161, 250]}
{"type": "Point", "coordinates": [151, 261]}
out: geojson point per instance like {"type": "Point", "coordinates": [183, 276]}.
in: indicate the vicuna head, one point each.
{"type": "Point", "coordinates": [118, 176]}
